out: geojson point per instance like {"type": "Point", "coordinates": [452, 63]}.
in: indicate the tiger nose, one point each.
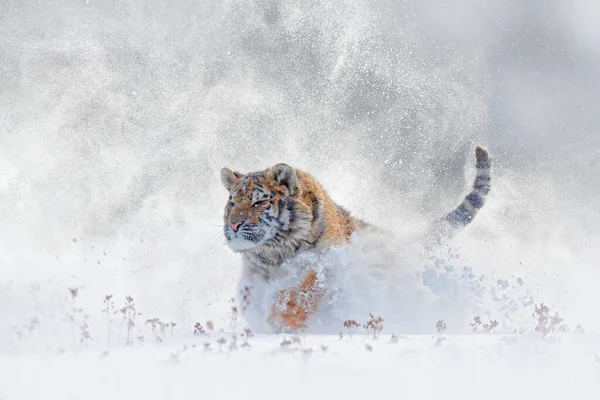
{"type": "Point", "coordinates": [235, 225]}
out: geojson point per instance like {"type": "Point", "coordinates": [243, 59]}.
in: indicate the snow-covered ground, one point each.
{"type": "Point", "coordinates": [490, 366]}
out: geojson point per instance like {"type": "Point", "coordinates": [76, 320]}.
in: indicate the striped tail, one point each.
{"type": "Point", "coordinates": [461, 216]}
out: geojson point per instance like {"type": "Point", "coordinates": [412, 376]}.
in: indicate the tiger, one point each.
{"type": "Point", "coordinates": [276, 214]}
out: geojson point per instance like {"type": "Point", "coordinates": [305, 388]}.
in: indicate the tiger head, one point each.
{"type": "Point", "coordinates": [264, 208]}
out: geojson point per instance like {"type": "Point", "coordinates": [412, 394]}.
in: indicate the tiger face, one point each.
{"type": "Point", "coordinates": [260, 209]}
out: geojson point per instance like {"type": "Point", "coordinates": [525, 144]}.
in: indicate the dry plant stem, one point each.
{"type": "Point", "coordinates": [440, 326]}
{"type": "Point", "coordinates": [546, 323]}
{"type": "Point", "coordinates": [476, 324]}
{"type": "Point", "coordinates": [351, 326]}
{"type": "Point", "coordinates": [129, 315]}
{"type": "Point", "coordinates": [74, 292]}
{"type": "Point", "coordinates": [375, 325]}
{"type": "Point", "coordinates": [486, 327]}
{"type": "Point", "coordinates": [154, 323]}
{"type": "Point", "coordinates": [84, 331]}
{"type": "Point", "coordinates": [198, 329]}
{"type": "Point", "coordinates": [109, 310]}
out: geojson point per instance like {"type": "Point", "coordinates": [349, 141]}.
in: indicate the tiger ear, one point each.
{"type": "Point", "coordinates": [229, 177]}
{"type": "Point", "coordinates": [284, 175]}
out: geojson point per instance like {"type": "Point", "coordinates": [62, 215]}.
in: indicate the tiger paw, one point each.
{"type": "Point", "coordinates": [289, 311]}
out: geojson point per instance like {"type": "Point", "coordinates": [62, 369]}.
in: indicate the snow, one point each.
{"type": "Point", "coordinates": [475, 366]}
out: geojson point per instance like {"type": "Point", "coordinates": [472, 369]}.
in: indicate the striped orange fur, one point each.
{"type": "Point", "coordinates": [275, 214]}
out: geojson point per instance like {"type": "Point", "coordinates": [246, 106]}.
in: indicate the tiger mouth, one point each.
{"type": "Point", "coordinates": [244, 239]}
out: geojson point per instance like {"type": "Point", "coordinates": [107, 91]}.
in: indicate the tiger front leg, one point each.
{"type": "Point", "coordinates": [294, 306]}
